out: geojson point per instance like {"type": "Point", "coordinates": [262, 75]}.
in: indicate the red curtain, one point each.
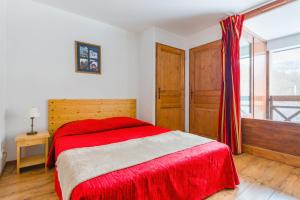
{"type": "Point", "coordinates": [229, 115]}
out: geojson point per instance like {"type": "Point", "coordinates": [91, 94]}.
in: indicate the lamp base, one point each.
{"type": "Point", "coordinates": [32, 133]}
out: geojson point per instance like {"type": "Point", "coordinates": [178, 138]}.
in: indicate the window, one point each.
{"type": "Point", "coordinates": [253, 78]}
{"type": "Point", "coordinates": [284, 85]}
{"type": "Point", "coordinates": [269, 91]}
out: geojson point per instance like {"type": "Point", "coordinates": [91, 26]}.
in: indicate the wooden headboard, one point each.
{"type": "Point", "coordinates": [61, 111]}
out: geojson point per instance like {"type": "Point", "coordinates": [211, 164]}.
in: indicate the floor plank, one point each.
{"type": "Point", "coordinates": [261, 179]}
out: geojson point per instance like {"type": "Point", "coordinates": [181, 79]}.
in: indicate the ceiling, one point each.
{"type": "Point", "coordinates": [277, 23]}
{"type": "Point", "coordinates": [183, 17]}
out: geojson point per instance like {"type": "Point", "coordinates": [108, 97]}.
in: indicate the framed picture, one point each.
{"type": "Point", "coordinates": [88, 58]}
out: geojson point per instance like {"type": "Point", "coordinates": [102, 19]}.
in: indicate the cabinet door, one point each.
{"type": "Point", "coordinates": [205, 89]}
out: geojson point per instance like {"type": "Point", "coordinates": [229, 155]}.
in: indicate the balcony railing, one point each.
{"type": "Point", "coordinates": [286, 108]}
{"type": "Point", "coordinates": [279, 108]}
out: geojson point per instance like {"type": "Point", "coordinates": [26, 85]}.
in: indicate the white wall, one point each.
{"type": "Point", "coordinates": [208, 35]}
{"type": "Point", "coordinates": [146, 104]}
{"type": "Point", "coordinates": [41, 62]}
{"type": "Point", "coordinates": [2, 75]}
{"type": "Point", "coordinates": [168, 38]}
{"type": "Point", "coordinates": [284, 42]}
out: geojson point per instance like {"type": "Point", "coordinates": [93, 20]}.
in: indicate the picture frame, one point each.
{"type": "Point", "coordinates": [87, 58]}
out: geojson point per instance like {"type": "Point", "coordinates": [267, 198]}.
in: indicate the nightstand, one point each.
{"type": "Point", "coordinates": [24, 140]}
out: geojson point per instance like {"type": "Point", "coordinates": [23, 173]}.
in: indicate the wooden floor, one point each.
{"type": "Point", "coordinates": [261, 179]}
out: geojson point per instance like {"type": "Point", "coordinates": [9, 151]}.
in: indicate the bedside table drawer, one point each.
{"type": "Point", "coordinates": [36, 141]}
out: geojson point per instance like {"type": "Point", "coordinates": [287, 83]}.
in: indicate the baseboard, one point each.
{"type": "Point", "coordinates": [272, 155]}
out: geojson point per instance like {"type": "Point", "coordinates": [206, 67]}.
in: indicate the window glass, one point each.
{"type": "Point", "coordinates": [284, 84]}
{"type": "Point", "coordinates": [245, 80]}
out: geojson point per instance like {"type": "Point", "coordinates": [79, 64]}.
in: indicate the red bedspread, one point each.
{"type": "Point", "coordinates": [194, 173]}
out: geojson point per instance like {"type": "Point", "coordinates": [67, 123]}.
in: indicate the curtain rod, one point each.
{"type": "Point", "coordinates": [260, 9]}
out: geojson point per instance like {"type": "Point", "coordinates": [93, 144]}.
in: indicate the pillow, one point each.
{"type": "Point", "coordinates": [97, 125]}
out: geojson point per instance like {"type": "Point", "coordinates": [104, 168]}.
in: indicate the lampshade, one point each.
{"type": "Point", "coordinates": [34, 112]}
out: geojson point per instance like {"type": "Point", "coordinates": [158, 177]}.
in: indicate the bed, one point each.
{"type": "Point", "coordinates": [191, 173]}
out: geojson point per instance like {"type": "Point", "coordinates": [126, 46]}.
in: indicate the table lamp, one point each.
{"type": "Point", "coordinates": [33, 113]}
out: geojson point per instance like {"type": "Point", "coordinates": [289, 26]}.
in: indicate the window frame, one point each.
{"type": "Point", "coordinates": [250, 39]}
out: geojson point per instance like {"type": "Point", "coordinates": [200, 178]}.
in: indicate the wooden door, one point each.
{"type": "Point", "coordinates": [170, 87]}
{"type": "Point", "coordinates": [205, 89]}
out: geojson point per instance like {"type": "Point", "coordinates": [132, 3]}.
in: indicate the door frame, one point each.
{"type": "Point", "coordinates": [155, 80]}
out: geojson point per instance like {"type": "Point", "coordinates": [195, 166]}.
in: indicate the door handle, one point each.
{"type": "Point", "coordinates": [158, 93]}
